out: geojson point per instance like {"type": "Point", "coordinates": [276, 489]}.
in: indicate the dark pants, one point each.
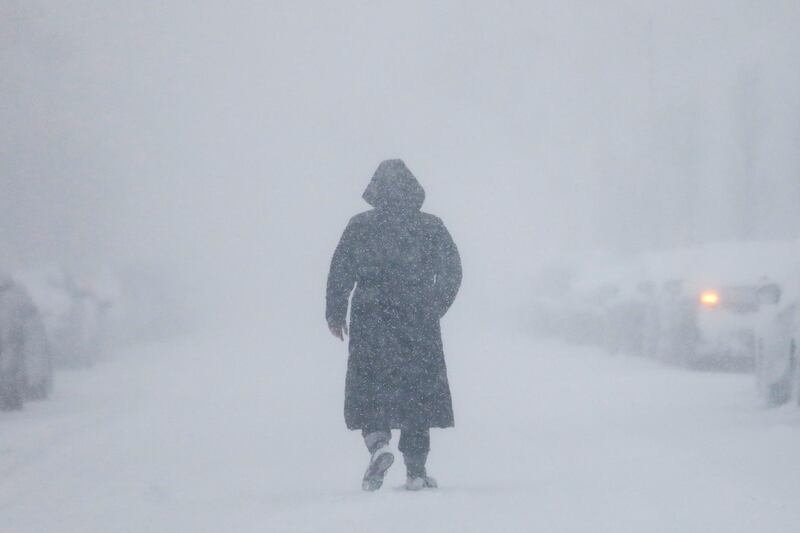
{"type": "Point", "coordinates": [413, 441]}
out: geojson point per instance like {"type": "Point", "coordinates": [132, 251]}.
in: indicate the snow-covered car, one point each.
{"type": "Point", "coordinates": [726, 321]}
{"type": "Point", "coordinates": [73, 316]}
{"type": "Point", "coordinates": [632, 320]}
{"type": "Point", "coordinates": [695, 307]}
{"type": "Point", "coordinates": [589, 316]}
{"type": "Point", "coordinates": [606, 304]}
{"type": "Point", "coordinates": [709, 327]}
{"type": "Point", "coordinates": [25, 366]}
{"type": "Point", "coordinates": [572, 310]}
{"type": "Point", "coordinates": [776, 365]}
{"type": "Point", "coordinates": [38, 360]}
{"type": "Point", "coordinates": [12, 362]}
{"type": "Point", "coordinates": [716, 309]}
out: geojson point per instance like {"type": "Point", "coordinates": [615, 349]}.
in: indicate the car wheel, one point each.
{"type": "Point", "coordinates": [11, 395]}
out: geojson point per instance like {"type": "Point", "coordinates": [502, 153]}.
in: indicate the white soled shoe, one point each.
{"type": "Point", "coordinates": [380, 462]}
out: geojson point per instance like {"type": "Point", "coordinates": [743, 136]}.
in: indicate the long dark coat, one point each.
{"type": "Point", "coordinates": [406, 271]}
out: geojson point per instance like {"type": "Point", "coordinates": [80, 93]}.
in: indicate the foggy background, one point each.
{"type": "Point", "coordinates": [229, 145]}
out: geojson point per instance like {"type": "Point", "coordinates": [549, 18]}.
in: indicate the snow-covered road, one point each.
{"type": "Point", "coordinates": [243, 433]}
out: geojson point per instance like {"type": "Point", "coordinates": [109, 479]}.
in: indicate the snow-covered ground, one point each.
{"type": "Point", "coordinates": [242, 431]}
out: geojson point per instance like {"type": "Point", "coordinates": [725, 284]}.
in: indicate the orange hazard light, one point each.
{"type": "Point", "coordinates": [709, 298]}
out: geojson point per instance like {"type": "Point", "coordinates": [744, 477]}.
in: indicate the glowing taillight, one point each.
{"type": "Point", "coordinates": [709, 298]}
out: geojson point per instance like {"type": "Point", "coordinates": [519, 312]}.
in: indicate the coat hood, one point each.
{"type": "Point", "coordinates": [393, 186]}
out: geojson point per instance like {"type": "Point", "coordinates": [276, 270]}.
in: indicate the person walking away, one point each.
{"type": "Point", "coordinates": [404, 271]}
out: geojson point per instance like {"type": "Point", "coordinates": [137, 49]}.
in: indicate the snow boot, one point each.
{"type": "Point", "coordinates": [418, 483]}
{"type": "Point", "coordinates": [416, 476]}
{"type": "Point", "coordinates": [382, 458]}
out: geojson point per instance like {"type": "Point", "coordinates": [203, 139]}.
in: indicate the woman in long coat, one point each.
{"type": "Point", "coordinates": [406, 272]}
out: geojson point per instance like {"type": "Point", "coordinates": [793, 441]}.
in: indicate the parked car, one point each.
{"type": "Point", "coordinates": [25, 365]}
{"type": "Point", "coordinates": [38, 358]}
{"type": "Point", "coordinates": [726, 320]}
{"type": "Point", "coordinates": [73, 316]}
{"type": "Point", "coordinates": [776, 365]}
{"type": "Point", "coordinates": [717, 306]}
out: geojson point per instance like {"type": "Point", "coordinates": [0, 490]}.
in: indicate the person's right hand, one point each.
{"type": "Point", "coordinates": [338, 331]}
